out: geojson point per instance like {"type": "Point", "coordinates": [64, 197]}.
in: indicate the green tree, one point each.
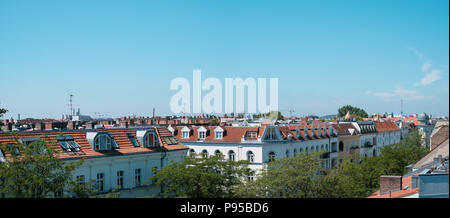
{"type": "Point", "coordinates": [35, 171]}
{"type": "Point", "coordinates": [357, 112]}
{"type": "Point", "coordinates": [294, 177]}
{"type": "Point", "coordinates": [201, 177]}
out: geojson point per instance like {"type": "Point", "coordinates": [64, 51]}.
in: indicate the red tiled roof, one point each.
{"type": "Point", "coordinates": [343, 128]}
{"type": "Point", "coordinates": [234, 134]}
{"type": "Point", "coordinates": [386, 126]}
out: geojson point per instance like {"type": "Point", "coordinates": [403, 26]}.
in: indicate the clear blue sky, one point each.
{"type": "Point", "coordinates": [118, 57]}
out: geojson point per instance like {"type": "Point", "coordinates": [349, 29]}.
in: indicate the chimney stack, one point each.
{"type": "Point", "coordinates": [390, 184]}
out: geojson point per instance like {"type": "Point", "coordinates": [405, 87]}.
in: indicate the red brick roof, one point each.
{"type": "Point", "coordinates": [386, 126]}
{"type": "Point", "coordinates": [234, 134]}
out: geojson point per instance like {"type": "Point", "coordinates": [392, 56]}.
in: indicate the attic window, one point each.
{"type": "Point", "coordinates": [104, 142]}
{"type": "Point", "coordinates": [251, 134]}
{"type": "Point", "coordinates": [132, 139]}
{"type": "Point", "coordinates": [67, 143]}
{"type": "Point", "coordinates": [170, 140]}
{"type": "Point", "coordinates": [201, 133]}
{"type": "Point", "coordinates": [185, 132]}
{"type": "Point", "coordinates": [218, 132]}
{"type": "Point", "coordinates": [28, 141]}
{"type": "Point", "coordinates": [150, 140]}
{"type": "Point", "coordinates": [271, 134]}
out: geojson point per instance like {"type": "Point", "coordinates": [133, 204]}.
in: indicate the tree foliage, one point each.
{"type": "Point", "coordinates": [302, 176]}
{"type": "Point", "coordinates": [2, 111]}
{"type": "Point", "coordinates": [34, 171]}
{"type": "Point", "coordinates": [201, 177]}
{"type": "Point", "coordinates": [357, 112]}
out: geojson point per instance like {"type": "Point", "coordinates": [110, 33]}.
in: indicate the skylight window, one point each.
{"type": "Point", "coordinates": [132, 139]}
{"type": "Point", "coordinates": [170, 140]}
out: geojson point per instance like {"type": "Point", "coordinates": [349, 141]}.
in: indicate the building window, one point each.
{"type": "Point", "coordinates": [80, 179]}
{"type": "Point", "coordinates": [219, 135]}
{"type": "Point", "coordinates": [201, 135]}
{"type": "Point", "coordinates": [341, 146]}
{"type": "Point", "coordinates": [185, 134]}
{"type": "Point", "coordinates": [150, 140]}
{"type": "Point", "coordinates": [270, 134]}
{"type": "Point", "coordinates": [137, 177]}
{"type": "Point", "coordinates": [250, 156]}
{"type": "Point", "coordinates": [300, 150]}
{"type": "Point", "coordinates": [287, 153]}
{"type": "Point", "coordinates": [295, 152]}
{"type": "Point", "coordinates": [251, 177]}
{"type": "Point", "coordinates": [120, 179]}
{"type": "Point", "coordinates": [271, 156]}
{"type": "Point", "coordinates": [231, 155]}
{"type": "Point", "coordinates": [104, 142]}
{"type": "Point", "coordinates": [217, 153]}
{"type": "Point", "coordinates": [191, 152]}
{"type": "Point", "coordinates": [251, 135]}
{"type": "Point", "coordinates": [100, 185]}
{"type": "Point", "coordinates": [204, 153]}
{"type": "Point", "coordinates": [154, 171]}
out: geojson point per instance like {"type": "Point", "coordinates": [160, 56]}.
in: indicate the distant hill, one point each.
{"type": "Point", "coordinates": [328, 116]}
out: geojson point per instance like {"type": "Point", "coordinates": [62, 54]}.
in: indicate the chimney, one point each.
{"type": "Point", "coordinates": [71, 125]}
{"type": "Point", "coordinates": [39, 126]}
{"type": "Point", "coordinates": [90, 125]}
{"type": "Point", "coordinates": [123, 124]}
{"type": "Point", "coordinates": [390, 184]}
{"type": "Point", "coordinates": [48, 126]}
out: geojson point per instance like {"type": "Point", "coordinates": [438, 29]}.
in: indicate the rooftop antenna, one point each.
{"type": "Point", "coordinates": [290, 112]}
{"type": "Point", "coordinates": [401, 110]}
{"type": "Point", "coordinates": [70, 104]}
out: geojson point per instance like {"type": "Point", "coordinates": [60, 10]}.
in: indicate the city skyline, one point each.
{"type": "Point", "coordinates": [119, 58]}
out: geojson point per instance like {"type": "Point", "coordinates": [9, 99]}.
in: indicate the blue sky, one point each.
{"type": "Point", "coordinates": [118, 57]}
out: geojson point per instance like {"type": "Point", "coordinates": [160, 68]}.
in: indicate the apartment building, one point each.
{"type": "Point", "coordinates": [122, 158]}
{"type": "Point", "coordinates": [258, 144]}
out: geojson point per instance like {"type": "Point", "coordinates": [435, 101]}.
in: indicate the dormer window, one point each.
{"type": "Point", "coordinates": [270, 133]}
{"type": "Point", "coordinates": [185, 132]}
{"type": "Point", "coordinates": [313, 132]}
{"type": "Point", "coordinates": [151, 140]}
{"type": "Point", "coordinates": [104, 142]}
{"type": "Point", "coordinates": [201, 133]}
{"type": "Point", "coordinates": [219, 135]}
{"type": "Point", "coordinates": [251, 135]}
{"type": "Point", "coordinates": [148, 138]}
{"type": "Point", "coordinates": [305, 131]}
